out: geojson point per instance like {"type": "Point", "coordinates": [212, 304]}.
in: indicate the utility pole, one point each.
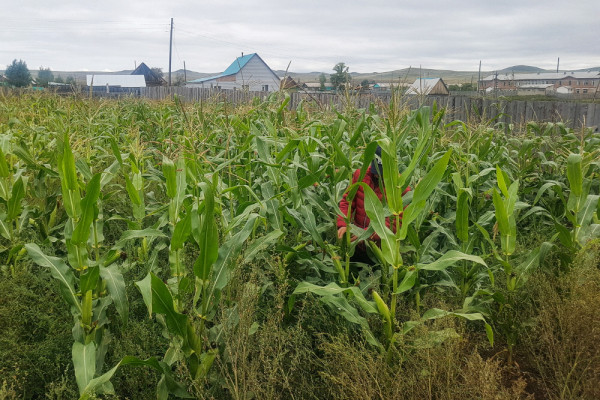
{"type": "Point", "coordinates": [184, 72]}
{"type": "Point", "coordinates": [479, 79]}
{"type": "Point", "coordinates": [170, 51]}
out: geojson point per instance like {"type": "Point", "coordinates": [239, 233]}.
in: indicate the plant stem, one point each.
{"type": "Point", "coordinates": [96, 250]}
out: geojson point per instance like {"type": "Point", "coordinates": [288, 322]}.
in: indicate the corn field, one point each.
{"type": "Point", "coordinates": [206, 234]}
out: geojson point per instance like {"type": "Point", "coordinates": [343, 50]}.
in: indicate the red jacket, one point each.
{"type": "Point", "coordinates": [358, 203]}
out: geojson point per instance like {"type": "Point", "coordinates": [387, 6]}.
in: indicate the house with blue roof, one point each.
{"type": "Point", "coordinates": [248, 72]}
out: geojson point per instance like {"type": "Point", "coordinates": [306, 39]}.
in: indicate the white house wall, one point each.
{"type": "Point", "coordinates": [255, 74]}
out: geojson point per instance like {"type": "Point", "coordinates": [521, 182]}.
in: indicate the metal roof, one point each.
{"type": "Point", "coordinates": [117, 80]}
{"type": "Point", "coordinates": [536, 86]}
{"type": "Point", "coordinates": [233, 69]}
{"type": "Point", "coordinates": [317, 84]}
{"type": "Point", "coordinates": [423, 86]}
{"type": "Point", "coordinates": [545, 75]}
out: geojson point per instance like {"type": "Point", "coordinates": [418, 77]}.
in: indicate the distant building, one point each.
{"type": "Point", "coordinates": [248, 72]}
{"type": "Point", "coordinates": [122, 81]}
{"type": "Point", "coordinates": [581, 82]}
{"type": "Point", "coordinates": [316, 86]}
{"type": "Point", "coordinates": [151, 77]}
{"type": "Point", "coordinates": [539, 89]}
{"type": "Point", "coordinates": [428, 87]}
{"type": "Point", "coordinates": [288, 83]}
{"type": "Point", "coordinates": [564, 90]}
{"type": "Point", "coordinates": [381, 86]}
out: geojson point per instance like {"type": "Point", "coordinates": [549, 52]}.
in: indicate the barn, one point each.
{"type": "Point", "coordinates": [428, 86]}
{"type": "Point", "coordinates": [247, 72]}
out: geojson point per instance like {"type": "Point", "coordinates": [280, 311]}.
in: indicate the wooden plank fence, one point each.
{"type": "Point", "coordinates": [464, 108]}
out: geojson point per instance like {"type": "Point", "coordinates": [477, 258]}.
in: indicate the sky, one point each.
{"type": "Point", "coordinates": [313, 35]}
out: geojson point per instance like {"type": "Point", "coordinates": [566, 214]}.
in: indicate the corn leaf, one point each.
{"type": "Point", "coordinates": [408, 282]}
{"type": "Point", "coordinates": [14, 203]}
{"type": "Point", "coordinates": [575, 174]}
{"type": "Point", "coordinates": [132, 192]}
{"type": "Point", "coordinates": [168, 169]}
{"type": "Point", "coordinates": [68, 165]}
{"type": "Point", "coordinates": [82, 230]}
{"type": "Point", "coordinates": [116, 287]}
{"type": "Point", "coordinates": [448, 259]}
{"type": "Point", "coordinates": [208, 235]}
{"type": "Point", "coordinates": [84, 363]}
{"type": "Point", "coordinates": [182, 231]}
{"type": "Point", "coordinates": [462, 216]}
{"type": "Point", "coordinates": [3, 165]}
{"type": "Point", "coordinates": [374, 210]}
{"type": "Point", "coordinates": [60, 271]}
{"type": "Point", "coordinates": [162, 303]}
{"type": "Point", "coordinates": [427, 185]}
{"type": "Point", "coordinates": [89, 280]}
{"type": "Point", "coordinates": [145, 287]}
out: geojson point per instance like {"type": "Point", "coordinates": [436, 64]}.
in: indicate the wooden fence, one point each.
{"type": "Point", "coordinates": [463, 108]}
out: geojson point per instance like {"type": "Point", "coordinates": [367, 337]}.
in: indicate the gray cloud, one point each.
{"type": "Point", "coordinates": [314, 35]}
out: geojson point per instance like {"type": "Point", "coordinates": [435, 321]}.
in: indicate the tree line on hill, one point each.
{"type": "Point", "coordinates": [17, 74]}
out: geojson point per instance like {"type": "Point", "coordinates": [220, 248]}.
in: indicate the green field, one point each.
{"type": "Point", "coordinates": [165, 250]}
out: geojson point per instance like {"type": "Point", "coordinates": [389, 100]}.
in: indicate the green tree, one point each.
{"type": "Point", "coordinates": [158, 71]}
{"type": "Point", "coordinates": [469, 87]}
{"type": "Point", "coordinates": [18, 74]}
{"type": "Point", "coordinates": [179, 80]}
{"type": "Point", "coordinates": [341, 76]}
{"type": "Point", "coordinates": [322, 80]}
{"type": "Point", "coordinates": [364, 84]}
{"type": "Point", "coordinates": [70, 80]}
{"type": "Point", "coordinates": [59, 79]}
{"type": "Point", "coordinates": [45, 75]}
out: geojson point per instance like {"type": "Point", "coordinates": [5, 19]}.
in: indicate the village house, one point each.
{"type": "Point", "coordinates": [289, 84]}
{"type": "Point", "coordinates": [116, 83]}
{"type": "Point", "coordinates": [580, 82]}
{"type": "Point", "coordinates": [151, 77]}
{"type": "Point", "coordinates": [428, 87]}
{"type": "Point", "coordinates": [247, 72]}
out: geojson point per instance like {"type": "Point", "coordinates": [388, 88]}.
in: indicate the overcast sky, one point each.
{"type": "Point", "coordinates": [368, 36]}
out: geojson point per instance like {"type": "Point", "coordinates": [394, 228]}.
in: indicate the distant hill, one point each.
{"type": "Point", "coordinates": [408, 75]}
{"type": "Point", "coordinates": [521, 69]}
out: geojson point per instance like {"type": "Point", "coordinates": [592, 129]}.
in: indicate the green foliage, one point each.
{"type": "Point", "coordinates": [44, 76]}
{"type": "Point", "coordinates": [322, 80]}
{"type": "Point", "coordinates": [18, 74]}
{"type": "Point", "coordinates": [341, 77]}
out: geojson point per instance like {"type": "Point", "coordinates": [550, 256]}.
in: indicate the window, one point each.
{"type": "Point", "coordinates": [577, 90]}
{"type": "Point", "coordinates": [569, 82]}
{"type": "Point", "coordinates": [265, 88]}
{"type": "Point", "coordinates": [584, 90]}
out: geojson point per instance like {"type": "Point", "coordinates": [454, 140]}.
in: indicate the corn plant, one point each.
{"type": "Point", "coordinates": [516, 268]}
{"type": "Point", "coordinates": [87, 285]}
{"type": "Point", "coordinates": [403, 277]}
